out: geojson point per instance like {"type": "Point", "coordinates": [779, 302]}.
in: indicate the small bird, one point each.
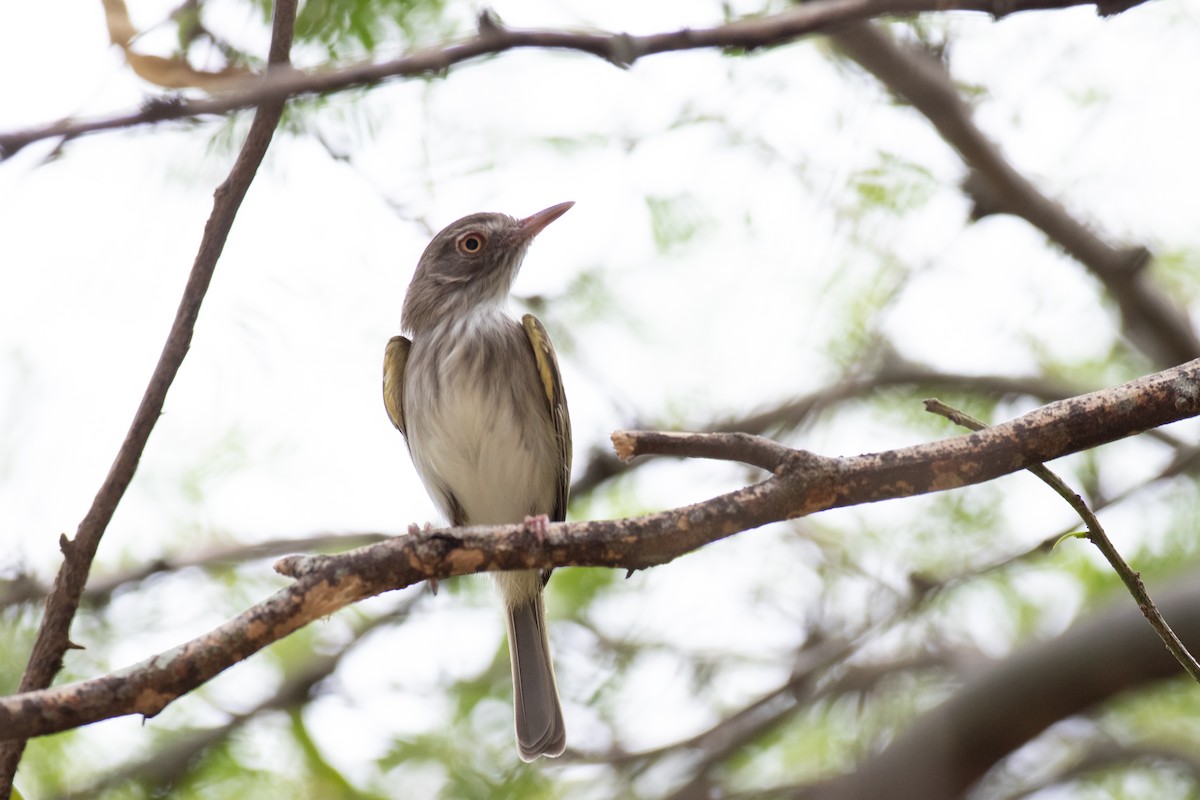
{"type": "Point", "coordinates": [479, 399]}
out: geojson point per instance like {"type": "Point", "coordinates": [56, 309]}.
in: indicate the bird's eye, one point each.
{"type": "Point", "coordinates": [470, 244]}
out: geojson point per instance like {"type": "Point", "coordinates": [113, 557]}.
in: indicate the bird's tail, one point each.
{"type": "Point", "coordinates": [540, 730]}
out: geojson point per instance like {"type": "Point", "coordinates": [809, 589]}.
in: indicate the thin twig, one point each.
{"type": "Point", "coordinates": [52, 642]}
{"type": "Point", "coordinates": [1096, 534]}
{"type": "Point", "coordinates": [756, 451]}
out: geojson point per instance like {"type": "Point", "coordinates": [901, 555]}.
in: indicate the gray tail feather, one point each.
{"type": "Point", "coordinates": [540, 730]}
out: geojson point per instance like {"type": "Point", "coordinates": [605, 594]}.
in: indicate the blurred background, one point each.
{"type": "Point", "coordinates": [771, 241]}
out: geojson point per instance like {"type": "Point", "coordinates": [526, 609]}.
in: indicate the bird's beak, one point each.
{"type": "Point", "coordinates": [532, 225]}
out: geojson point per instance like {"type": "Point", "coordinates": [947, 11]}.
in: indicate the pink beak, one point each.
{"type": "Point", "coordinates": [532, 225]}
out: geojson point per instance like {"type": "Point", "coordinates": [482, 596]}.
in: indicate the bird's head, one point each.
{"type": "Point", "coordinates": [471, 264]}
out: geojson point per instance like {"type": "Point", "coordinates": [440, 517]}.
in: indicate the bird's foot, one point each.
{"type": "Point", "coordinates": [539, 525]}
{"type": "Point", "coordinates": [414, 528]}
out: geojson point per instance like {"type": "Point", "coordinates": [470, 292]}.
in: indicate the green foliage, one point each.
{"type": "Point", "coordinates": [324, 779]}
{"type": "Point", "coordinates": [221, 458]}
{"type": "Point", "coordinates": [895, 185]}
{"type": "Point", "coordinates": [1176, 269]}
{"type": "Point", "coordinates": [675, 220]}
{"type": "Point", "coordinates": [1117, 364]}
{"type": "Point", "coordinates": [588, 303]}
{"type": "Point", "coordinates": [1135, 781]}
{"type": "Point", "coordinates": [468, 769]}
{"type": "Point", "coordinates": [41, 766]}
{"type": "Point", "coordinates": [17, 630]}
{"type": "Point", "coordinates": [227, 773]}
{"type": "Point", "coordinates": [346, 28]}
{"type": "Point", "coordinates": [572, 591]}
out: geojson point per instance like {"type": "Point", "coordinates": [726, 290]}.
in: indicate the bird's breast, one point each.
{"type": "Point", "coordinates": [478, 427]}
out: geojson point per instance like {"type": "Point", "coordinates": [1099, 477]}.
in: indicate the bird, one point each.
{"type": "Point", "coordinates": [479, 400]}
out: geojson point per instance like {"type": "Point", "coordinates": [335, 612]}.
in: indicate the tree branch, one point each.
{"type": "Point", "coordinates": [951, 747]}
{"type": "Point", "coordinates": [1152, 320]}
{"type": "Point", "coordinates": [158, 773]}
{"type": "Point", "coordinates": [620, 49]}
{"type": "Point", "coordinates": [893, 371]}
{"type": "Point", "coordinates": [603, 465]}
{"type": "Point", "coordinates": [52, 639]}
{"type": "Point", "coordinates": [802, 484]}
{"type": "Point", "coordinates": [753, 450]}
{"type": "Point", "coordinates": [1107, 756]}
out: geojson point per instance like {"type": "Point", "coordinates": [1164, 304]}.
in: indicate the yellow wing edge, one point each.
{"type": "Point", "coordinates": [395, 359]}
{"type": "Point", "coordinates": [556, 404]}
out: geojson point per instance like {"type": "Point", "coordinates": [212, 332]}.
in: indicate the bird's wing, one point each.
{"type": "Point", "coordinates": [556, 404]}
{"type": "Point", "coordinates": [395, 358]}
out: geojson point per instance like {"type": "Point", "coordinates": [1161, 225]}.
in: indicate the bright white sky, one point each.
{"type": "Point", "coordinates": [276, 417]}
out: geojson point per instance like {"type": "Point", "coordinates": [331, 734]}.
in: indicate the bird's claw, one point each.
{"type": "Point", "coordinates": [539, 526]}
{"type": "Point", "coordinates": [414, 528]}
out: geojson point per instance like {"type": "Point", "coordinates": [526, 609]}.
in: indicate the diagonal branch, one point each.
{"type": "Point", "coordinates": [1002, 707]}
{"type": "Point", "coordinates": [158, 772]}
{"type": "Point", "coordinates": [1097, 536]}
{"type": "Point", "coordinates": [802, 483]}
{"type": "Point", "coordinates": [52, 640]}
{"type": "Point", "coordinates": [620, 49]}
{"type": "Point", "coordinates": [1152, 320]}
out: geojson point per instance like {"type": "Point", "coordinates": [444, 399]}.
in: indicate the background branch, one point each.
{"type": "Point", "coordinates": [949, 748]}
{"type": "Point", "coordinates": [25, 588]}
{"type": "Point", "coordinates": [892, 371]}
{"type": "Point", "coordinates": [618, 48]}
{"type": "Point", "coordinates": [1153, 321]}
